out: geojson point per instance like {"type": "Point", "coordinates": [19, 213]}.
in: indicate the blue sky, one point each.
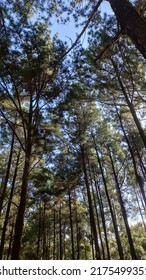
{"type": "Point", "coordinates": [66, 31]}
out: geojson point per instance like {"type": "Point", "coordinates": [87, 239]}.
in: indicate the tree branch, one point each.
{"type": "Point", "coordinates": [109, 44]}
{"type": "Point", "coordinates": [12, 128]}
{"type": "Point", "coordinates": [84, 29]}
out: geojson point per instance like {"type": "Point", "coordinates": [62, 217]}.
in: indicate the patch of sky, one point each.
{"type": "Point", "coordinates": [68, 31]}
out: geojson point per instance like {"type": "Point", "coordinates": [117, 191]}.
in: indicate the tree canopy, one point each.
{"type": "Point", "coordinates": [72, 131]}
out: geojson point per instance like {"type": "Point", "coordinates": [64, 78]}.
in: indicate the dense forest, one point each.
{"type": "Point", "coordinates": [72, 131]}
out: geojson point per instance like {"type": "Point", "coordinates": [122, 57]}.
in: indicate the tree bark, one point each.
{"type": "Point", "coordinates": [77, 227]}
{"type": "Point", "coordinates": [117, 236]}
{"type": "Point", "coordinates": [96, 211]}
{"type": "Point", "coordinates": [39, 230]}
{"type": "Point", "coordinates": [44, 232]}
{"type": "Point", "coordinates": [8, 208]}
{"type": "Point", "coordinates": [71, 225]}
{"type": "Point", "coordinates": [129, 103]}
{"type": "Point", "coordinates": [21, 210]}
{"type": "Point", "coordinates": [5, 181]}
{"type": "Point", "coordinates": [91, 212]}
{"type": "Point", "coordinates": [54, 233]}
{"type": "Point", "coordinates": [98, 223]}
{"type": "Point", "coordinates": [137, 176]}
{"type": "Point", "coordinates": [10, 241]}
{"type": "Point", "coordinates": [60, 232]}
{"type": "Point", "coordinates": [102, 214]}
{"type": "Point", "coordinates": [132, 24]}
{"type": "Point", "coordinates": [24, 187]}
{"type": "Point", "coordinates": [123, 209]}
{"type": "Point", "coordinates": [140, 210]}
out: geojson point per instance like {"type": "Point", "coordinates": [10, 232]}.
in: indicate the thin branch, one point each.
{"type": "Point", "coordinates": [76, 41]}
{"type": "Point", "coordinates": [84, 29]}
{"type": "Point", "coordinates": [109, 44]}
{"type": "Point", "coordinates": [8, 94]}
{"type": "Point", "coordinates": [3, 22]}
{"type": "Point", "coordinates": [12, 128]}
{"type": "Point", "coordinates": [35, 164]}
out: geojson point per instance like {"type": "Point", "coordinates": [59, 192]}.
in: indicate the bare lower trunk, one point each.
{"type": "Point", "coordinates": [115, 226]}
{"type": "Point", "coordinates": [137, 176]}
{"type": "Point", "coordinates": [54, 234]}
{"type": "Point", "coordinates": [123, 209]}
{"type": "Point", "coordinates": [71, 225]}
{"type": "Point", "coordinates": [21, 210]}
{"type": "Point", "coordinates": [102, 214]}
{"type": "Point", "coordinates": [91, 212]}
{"type": "Point", "coordinates": [8, 209]}
{"type": "Point", "coordinates": [39, 230]}
{"type": "Point", "coordinates": [5, 180]}
{"type": "Point", "coordinates": [60, 232]}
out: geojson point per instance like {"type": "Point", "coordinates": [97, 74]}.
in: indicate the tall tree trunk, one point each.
{"type": "Point", "coordinates": [91, 212]}
{"type": "Point", "coordinates": [44, 231]}
{"type": "Point", "coordinates": [140, 210]}
{"type": "Point", "coordinates": [137, 176]}
{"type": "Point", "coordinates": [143, 168]}
{"type": "Point", "coordinates": [119, 244]}
{"type": "Point", "coordinates": [21, 210]}
{"type": "Point", "coordinates": [85, 251]}
{"type": "Point", "coordinates": [39, 230]}
{"type": "Point", "coordinates": [129, 103]}
{"type": "Point", "coordinates": [71, 225]}
{"type": "Point", "coordinates": [64, 239]}
{"type": "Point", "coordinates": [60, 232]}
{"type": "Point", "coordinates": [48, 248]}
{"type": "Point", "coordinates": [123, 209]}
{"type": "Point", "coordinates": [8, 208]}
{"type": "Point", "coordinates": [54, 234]}
{"type": "Point", "coordinates": [77, 227]}
{"type": "Point", "coordinates": [102, 214]}
{"type": "Point", "coordinates": [10, 241]}
{"type": "Point", "coordinates": [23, 196]}
{"type": "Point", "coordinates": [5, 180]}
{"type": "Point", "coordinates": [131, 23]}
{"type": "Point", "coordinates": [96, 211]}
{"type": "Point", "coordinates": [98, 223]}
{"type": "Point", "coordinates": [92, 243]}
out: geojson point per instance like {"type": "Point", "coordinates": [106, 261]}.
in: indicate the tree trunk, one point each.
{"type": "Point", "coordinates": [8, 209]}
{"type": "Point", "coordinates": [64, 241]}
{"type": "Point", "coordinates": [129, 103]}
{"type": "Point", "coordinates": [96, 211]}
{"type": "Point", "coordinates": [44, 232]}
{"type": "Point", "coordinates": [91, 212]}
{"type": "Point", "coordinates": [77, 227]}
{"type": "Point", "coordinates": [137, 176]}
{"type": "Point", "coordinates": [140, 210]}
{"type": "Point", "coordinates": [143, 168]}
{"type": "Point", "coordinates": [119, 244]}
{"type": "Point", "coordinates": [124, 214]}
{"type": "Point", "coordinates": [54, 234]}
{"type": "Point", "coordinates": [131, 23]}
{"type": "Point", "coordinates": [39, 230]}
{"type": "Point", "coordinates": [21, 210]}
{"type": "Point", "coordinates": [10, 241]}
{"type": "Point", "coordinates": [48, 243]}
{"type": "Point", "coordinates": [5, 181]}
{"type": "Point", "coordinates": [98, 223]}
{"type": "Point", "coordinates": [102, 214]}
{"type": "Point", "coordinates": [71, 225]}
{"type": "Point", "coordinates": [60, 232]}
